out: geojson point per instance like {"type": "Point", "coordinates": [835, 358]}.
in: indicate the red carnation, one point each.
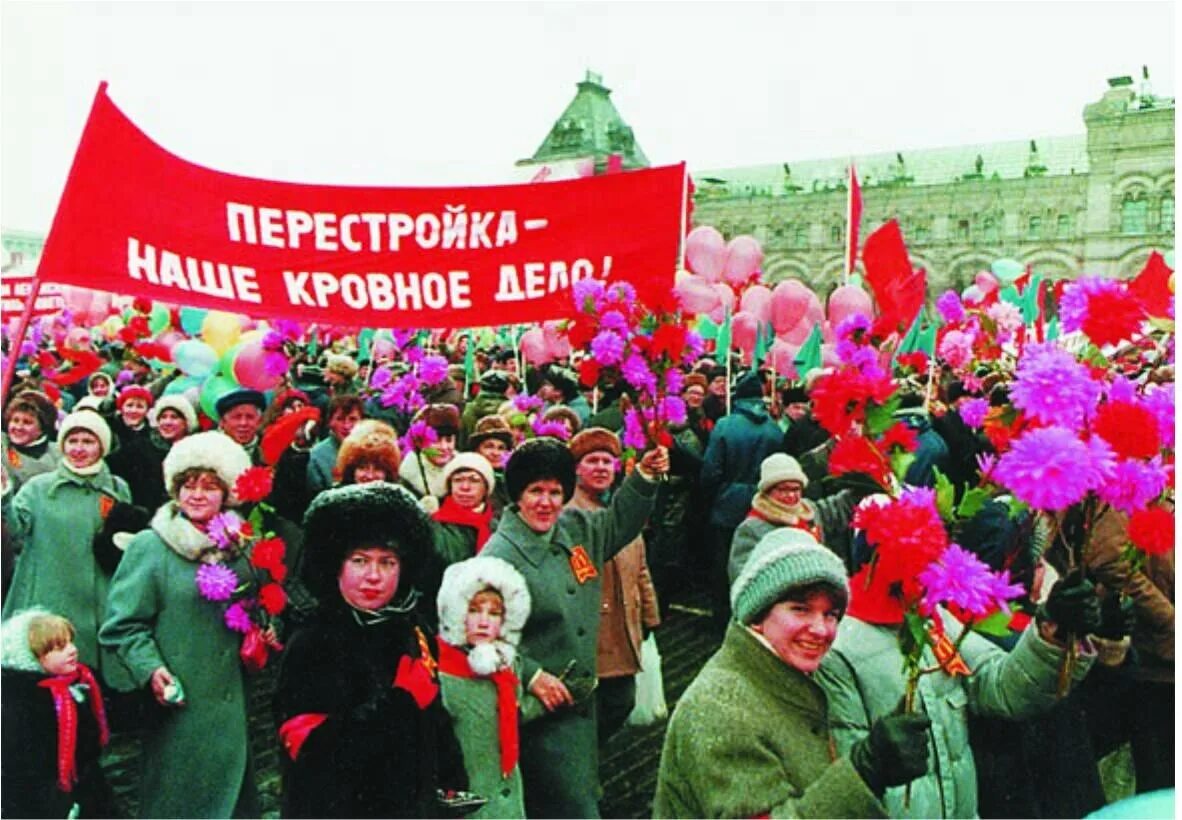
{"type": "Point", "coordinates": [1130, 428]}
{"type": "Point", "coordinates": [840, 398]}
{"type": "Point", "coordinates": [917, 361]}
{"type": "Point", "coordinates": [588, 372]}
{"type": "Point", "coordinates": [906, 533]}
{"type": "Point", "coordinates": [855, 454]}
{"type": "Point", "coordinates": [253, 485]}
{"type": "Point", "coordinates": [899, 435]}
{"type": "Point", "coordinates": [1152, 530]}
{"type": "Point", "coordinates": [268, 554]}
{"type": "Point", "coordinates": [668, 341]}
{"type": "Point", "coordinates": [272, 598]}
{"type": "Point", "coordinates": [142, 304]}
{"type": "Point", "coordinates": [139, 326]}
{"type": "Point", "coordinates": [1113, 315]}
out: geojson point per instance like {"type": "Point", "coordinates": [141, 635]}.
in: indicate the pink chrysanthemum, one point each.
{"type": "Point", "coordinates": [225, 529]}
{"type": "Point", "coordinates": [1160, 401]}
{"type": "Point", "coordinates": [526, 403]}
{"type": "Point", "coordinates": [956, 348]}
{"type": "Point", "coordinates": [852, 327]}
{"type": "Point", "coordinates": [607, 347]}
{"type": "Point", "coordinates": [962, 579]}
{"type": "Point", "coordinates": [950, 307]}
{"type": "Point", "coordinates": [621, 292]}
{"type": "Point", "coordinates": [673, 410]}
{"type": "Point", "coordinates": [587, 293]}
{"type": "Point", "coordinates": [403, 394]}
{"type": "Point", "coordinates": [674, 381]}
{"type": "Point", "coordinates": [553, 429]}
{"type": "Point", "coordinates": [638, 374]}
{"type": "Point", "coordinates": [1049, 468]}
{"type": "Point", "coordinates": [216, 582]}
{"type": "Point", "coordinates": [634, 431]}
{"type": "Point", "coordinates": [237, 618]}
{"type": "Point", "coordinates": [1007, 317]}
{"type": "Point", "coordinates": [613, 320]}
{"type": "Point", "coordinates": [381, 378]}
{"type": "Point", "coordinates": [419, 437]}
{"type": "Point", "coordinates": [1054, 388]}
{"type": "Point", "coordinates": [694, 346]}
{"type": "Point", "coordinates": [972, 412]}
{"type": "Point", "coordinates": [433, 369]}
{"type": "Point", "coordinates": [1133, 485]}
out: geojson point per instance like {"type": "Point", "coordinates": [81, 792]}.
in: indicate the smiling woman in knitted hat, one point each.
{"type": "Point", "coordinates": [56, 516]}
{"type": "Point", "coordinates": [560, 553]}
{"type": "Point", "coordinates": [174, 641]}
{"type": "Point", "coordinates": [780, 502]}
{"type": "Point", "coordinates": [750, 735]}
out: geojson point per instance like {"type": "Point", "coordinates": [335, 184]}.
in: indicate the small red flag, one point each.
{"type": "Point", "coordinates": [1152, 286]}
{"type": "Point", "coordinates": [854, 220]}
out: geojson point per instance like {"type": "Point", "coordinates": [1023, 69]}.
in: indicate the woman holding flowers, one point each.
{"type": "Point", "coordinates": [172, 636]}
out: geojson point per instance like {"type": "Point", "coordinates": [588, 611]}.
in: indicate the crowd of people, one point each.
{"type": "Point", "coordinates": [468, 586]}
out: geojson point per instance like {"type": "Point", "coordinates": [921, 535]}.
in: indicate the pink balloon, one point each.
{"type": "Point", "coordinates": [533, 346]}
{"type": "Point", "coordinates": [798, 333]}
{"type": "Point", "coordinates": [557, 344]}
{"type": "Point", "coordinates": [743, 258]}
{"type": "Point", "coordinates": [705, 252]}
{"type": "Point", "coordinates": [986, 281]}
{"type": "Point", "coordinates": [813, 311]}
{"type": "Point", "coordinates": [696, 295]}
{"type": "Point", "coordinates": [781, 356]}
{"type": "Point", "coordinates": [847, 301]}
{"type": "Point", "coordinates": [170, 339]}
{"type": "Point", "coordinates": [743, 329]}
{"type": "Point", "coordinates": [77, 300]}
{"type": "Point", "coordinates": [726, 302]}
{"type": "Point", "coordinates": [251, 368]}
{"type": "Point", "coordinates": [790, 300]}
{"type": "Point", "coordinates": [757, 300]}
{"type": "Point", "coordinates": [829, 357]}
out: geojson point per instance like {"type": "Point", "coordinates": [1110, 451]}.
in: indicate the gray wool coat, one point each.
{"type": "Point", "coordinates": [559, 752]}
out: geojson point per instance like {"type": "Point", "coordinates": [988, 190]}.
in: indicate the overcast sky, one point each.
{"type": "Point", "coordinates": [455, 93]}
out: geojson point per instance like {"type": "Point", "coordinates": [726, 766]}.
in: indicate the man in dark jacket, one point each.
{"type": "Point", "coordinates": [730, 476]}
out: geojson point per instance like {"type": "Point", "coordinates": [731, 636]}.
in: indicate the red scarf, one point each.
{"type": "Point", "coordinates": [453, 661]}
{"type": "Point", "coordinates": [450, 512]}
{"type": "Point", "coordinates": [67, 721]}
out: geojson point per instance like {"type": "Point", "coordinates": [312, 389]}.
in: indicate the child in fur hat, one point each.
{"type": "Point", "coordinates": [54, 723]}
{"type": "Point", "coordinates": [483, 605]}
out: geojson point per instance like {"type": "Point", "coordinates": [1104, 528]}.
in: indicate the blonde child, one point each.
{"type": "Point", "coordinates": [53, 725]}
{"type": "Point", "coordinates": [483, 605]}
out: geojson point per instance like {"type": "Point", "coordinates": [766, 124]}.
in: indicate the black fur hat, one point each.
{"type": "Point", "coordinates": [537, 459]}
{"type": "Point", "coordinates": [377, 514]}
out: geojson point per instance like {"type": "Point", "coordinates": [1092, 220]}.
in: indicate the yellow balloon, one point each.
{"type": "Point", "coordinates": [1171, 283]}
{"type": "Point", "coordinates": [111, 326]}
{"type": "Point", "coordinates": [252, 336]}
{"type": "Point", "coordinates": [221, 330]}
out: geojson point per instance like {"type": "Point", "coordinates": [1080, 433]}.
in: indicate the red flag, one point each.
{"type": "Point", "coordinates": [853, 220]}
{"type": "Point", "coordinates": [898, 290]}
{"type": "Point", "coordinates": [1152, 285]}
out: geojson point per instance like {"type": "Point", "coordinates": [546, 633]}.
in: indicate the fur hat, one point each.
{"type": "Point", "coordinates": [461, 581]}
{"type": "Point", "coordinates": [470, 461]}
{"type": "Point", "coordinates": [357, 516]}
{"type": "Point", "coordinates": [560, 412]}
{"type": "Point", "coordinates": [213, 451]}
{"type": "Point", "coordinates": [89, 421]}
{"type": "Point", "coordinates": [784, 559]}
{"type": "Point", "coordinates": [341, 365]}
{"type": "Point", "coordinates": [749, 386]}
{"type": "Point", "coordinates": [14, 641]}
{"type": "Point", "coordinates": [780, 467]}
{"type": "Point", "coordinates": [694, 380]}
{"type": "Point", "coordinates": [134, 391]}
{"type": "Point", "coordinates": [37, 403]}
{"type": "Point", "coordinates": [443, 418]}
{"type": "Point", "coordinates": [177, 402]}
{"type": "Point", "coordinates": [592, 439]}
{"type": "Point", "coordinates": [490, 427]}
{"type": "Point", "coordinates": [795, 394]}
{"type": "Point", "coordinates": [564, 380]}
{"type": "Point", "coordinates": [537, 459]}
{"type": "Point", "coordinates": [494, 381]}
{"type": "Point", "coordinates": [370, 442]}
{"type": "Point", "coordinates": [241, 396]}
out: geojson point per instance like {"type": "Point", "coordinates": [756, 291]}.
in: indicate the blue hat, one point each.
{"type": "Point", "coordinates": [240, 396]}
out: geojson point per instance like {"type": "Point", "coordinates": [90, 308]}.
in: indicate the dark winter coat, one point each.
{"type": "Point", "coordinates": [931, 454]}
{"type": "Point", "coordinates": [730, 471]}
{"type": "Point", "coordinates": [377, 753]}
{"type": "Point", "coordinates": [139, 461]}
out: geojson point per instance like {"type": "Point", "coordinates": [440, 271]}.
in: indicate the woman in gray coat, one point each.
{"type": "Point", "coordinates": [560, 553]}
{"type": "Point", "coordinates": [196, 760]}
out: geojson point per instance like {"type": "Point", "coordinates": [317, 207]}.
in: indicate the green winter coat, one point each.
{"type": "Point", "coordinates": [750, 737]}
{"type": "Point", "coordinates": [196, 760]}
{"type": "Point", "coordinates": [863, 678]}
{"type": "Point", "coordinates": [56, 516]}
{"type": "Point", "coordinates": [559, 758]}
{"type": "Point", "coordinates": [472, 704]}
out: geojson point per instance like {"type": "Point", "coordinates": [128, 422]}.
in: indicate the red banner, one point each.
{"type": "Point", "coordinates": [135, 219]}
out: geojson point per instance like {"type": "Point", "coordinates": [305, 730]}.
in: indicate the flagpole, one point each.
{"type": "Point", "coordinates": [849, 218]}
{"type": "Point", "coordinates": [684, 218]}
{"type": "Point", "coordinates": [14, 352]}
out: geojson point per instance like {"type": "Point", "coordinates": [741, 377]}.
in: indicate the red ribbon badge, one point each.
{"type": "Point", "coordinates": [582, 566]}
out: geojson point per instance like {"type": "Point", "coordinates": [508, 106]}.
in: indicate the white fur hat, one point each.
{"type": "Point", "coordinates": [213, 451]}
{"type": "Point", "coordinates": [89, 421]}
{"type": "Point", "coordinates": [474, 462]}
{"type": "Point", "coordinates": [778, 468]}
{"type": "Point", "coordinates": [177, 402]}
{"type": "Point", "coordinates": [88, 402]}
{"type": "Point", "coordinates": [463, 580]}
{"type": "Point", "coordinates": [14, 641]}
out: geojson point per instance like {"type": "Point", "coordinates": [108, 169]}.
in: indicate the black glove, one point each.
{"type": "Point", "coordinates": [1117, 617]}
{"type": "Point", "coordinates": [1072, 606]}
{"type": "Point", "coordinates": [895, 752]}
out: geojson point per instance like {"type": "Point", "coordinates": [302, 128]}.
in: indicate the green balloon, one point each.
{"type": "Point", "coordinates": [1169, 257]}
{"type": "Point", "coordinates": [226, 363]}
{"type": "Point", "coordinates": [158, 319]}
{"type": "Point", "coordinates": [214, 388]}
{"type": "Point", "coordinates": [1007, 270]}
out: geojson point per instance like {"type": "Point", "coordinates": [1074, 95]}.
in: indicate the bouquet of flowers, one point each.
{"type": "Point", "coordinates": [251, 604]}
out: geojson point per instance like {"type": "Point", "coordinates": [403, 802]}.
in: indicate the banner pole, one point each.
{"type": "Point", "coordinates": [684, 219]}
{"type": "Point", "coordinates": [849, 218]}
{"type": "Point", "coordinates": [22, 328]}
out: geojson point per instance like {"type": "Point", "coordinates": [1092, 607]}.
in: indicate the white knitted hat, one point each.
{"type": "Point", "coordinates": [177, 402]}
{"type": "Point", "coordinates": [213, 451]}
{"type": "Point", "coordinates": [87, 420]}
{"type": "Point", "coordinates": [463, 580]}
{"type": "Point", "coordinates": [779, 467]}
{"type": "Point", "coordinates": [470, 461]}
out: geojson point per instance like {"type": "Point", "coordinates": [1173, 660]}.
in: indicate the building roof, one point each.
{"type": "Point", "coordinates": [590, 127]}
{"type": "Point", "coordinates": [1055, 156]}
